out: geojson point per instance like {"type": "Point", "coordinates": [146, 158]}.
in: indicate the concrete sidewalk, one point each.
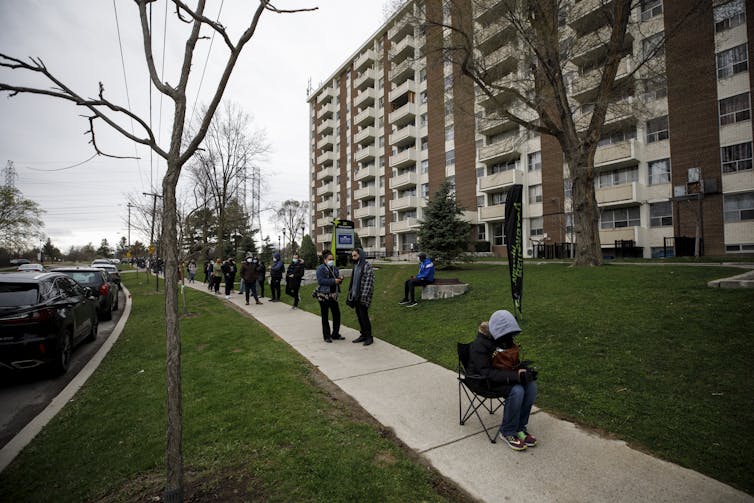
{"type": "Point", "coordinates": [419, 401]}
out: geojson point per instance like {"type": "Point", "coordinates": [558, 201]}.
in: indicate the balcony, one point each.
{"type": "Point", "coordinates": [617, 154]}
{"type": "Point", "coordinates": [325, 140]}
{"type": "Point", "coordinates": [365, 135]}
{"type": "Point", "coordinates": [370, 192]}
{"type": "Point", "coordinates": [496, 212]}
{"type": "Point", "coordinates": [370, 231]}
{"type": "Point", "coordinates": [497, 34]}
{"type": "Point", "coordinates": [325, 221]}
{"type": "Point", "coordinates": [367, 173]}
{"type": "Point", "coordinates": [365, 154]}
{"type": "Point", "coordinates": [400, 29]}
{"type": "Point", "coordinates": [326, 127]}
{"type": "Point", "coordinates": [404, 136]}
{"type": "Point", "coordinates": [367, 211]}
{"type": "Point", "coordinates": [585, 85]}
{"type": "Point", "coordinates": [365, 98]}
{"type": "Point", "coordinates": [327, 204]}
{"type": "Point", "coordinates": [489, 11]}
{"type": "Point", "coordinates": [401, 72]}
{"type": "Point", "coordinates": [609, 236]}
{"type": "Point", "coordinates": [405, 225]}
{"type": "Point", "coordinates": [327, 111]}
{"type": "Point", "coordinates": [365, 79]}
{"type": "Point", "coordinates": [620, 194]}
{"type": "Point", "coordinates": [403, 115]}
{"type": "Point", "coordinates": [505, 148]}
{"type": "Point", "coordinates": [493, 123]}
{"type": "Point", "coordinates": [405, 180]}
{"type": "Point", "coordinates": [404, 203]}
{"type": "Point", "coordinates": [327, 158]}
{"type": "Point", "coordinates": [501, 180]}
{"type": "Point", "coordinates": [365, 117]}
{"type": "Point", "coordinates": [325, 237]}
{"type": "Point", "coordinates": [501, 98]}
{"type": "Point", "coordinates": [409, 85]}
{"type": "Point", "coordinates": [502, 62]}
{"type": "Point", "coordinates": [591, 47]}
{"type": "Point", "coordinates": [326, 173]}
{"type": "Point", "coordinates": [326, 95]}
{"type": "Point", "coordinates": [403, 49]}
{"type": "Point", "coordinates": [366, 58]}
{"type": "Point", "coordinates": [326, 189]}
{"type": "Point", "coordinates": [404, 159]}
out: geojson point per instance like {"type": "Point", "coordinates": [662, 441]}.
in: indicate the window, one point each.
{"type": "Point", "coordinates": [479, 201]}
{"type": "Point", "coordinates": [567, 188]}
{"type": "Point", "coordinates": [537, 226]}
{"type": "Point", "coordinates": [425, 144]}
{"type": "Point", "coordinates": [739, 207]}
{"type": "Point", "coordinates": [650, 9]}
{"type": "Point", "coordinates": [617, 177]}
{"type": "Point", "coordinates": [729, 15]}
{"type": "Point", "coordinates": [657, 129]}
{"type": "Point", "coordinates": [480, 172]}
{"type": "Point", "coordinates": [448, 107]}
{"type": "Point", "coordinates": [425, 190]}
{"type": "Point", "coordinates": [653, 45]}
{"type": "Point", "coordinates": [449, 132]}
{"type": "Point", "coordinates": [620, 217]}
{"type": "Point", "coordinates": [535, 193]}
{"type": "Point", "coordinates": [481, 232]}
{"type": "Point", "coordinates": [616, 137]}
{"type": "Point", "coordinates": [425, 165]}
{"type": "Point", "coordinates": [497, 198]}
{"type": "Point", "coordinates": [498, 234]}
{"type": "Point", "coordinates": [450, 158]}
{"type": "Point", "coordinates": [735, 109]}
{"type": "Point", "coordinates": [660, 214]}
{"type": "Point", "coordinates": [535, 161]}
{"type": "Point", "coordinates": [382, 220]}
{"type": "Point", "coordinates": [423, 120]}
{"type": "Point", "coordinates": [422, 75]}
{"type": "Point", "coordinates": [502, 166]}
{"type": "Point", "coordinates": [736, 157]}
{"type": "Point", "coordinates": [423, 97]}
{"type": "Point", "coordinates": [659, 171]}
{"type": "Point", "coordinates": [732, 61]}
{"type": "Point", "coordinates": [655, 88]}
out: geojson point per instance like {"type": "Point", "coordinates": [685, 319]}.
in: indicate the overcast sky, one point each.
{"type": "Point", "coordinates": [78, 42]}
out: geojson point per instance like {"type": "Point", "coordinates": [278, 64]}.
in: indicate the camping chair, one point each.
{"type": "Point", "coordinates": [477, 391]}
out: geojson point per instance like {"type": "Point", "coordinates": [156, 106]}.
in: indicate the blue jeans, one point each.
{"type": "Point", "coordinates": [517, 408]}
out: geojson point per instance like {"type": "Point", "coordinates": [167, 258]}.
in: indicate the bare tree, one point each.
{"type": "Point", "coordinates": [20, 221]}
{"type": "Point", "coordinates": [291, 217]}
{"type": "Point", "coordinates": [179, 151]}
{"type": "Point", "coordinates": [220, 165]}
{"type": "Point", "coordinates": [525, 57]}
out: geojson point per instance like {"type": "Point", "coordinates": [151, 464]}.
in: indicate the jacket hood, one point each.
{"type": "Point", "coordinates": [502, 323]}
{"type": "Point", "coordinates": [360, 251]}
{"type": "Point", "coordinates": [276, 256]}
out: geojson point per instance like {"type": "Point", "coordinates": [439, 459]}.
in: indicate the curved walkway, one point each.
{"type": "Point", "coordinates": [419, 401]}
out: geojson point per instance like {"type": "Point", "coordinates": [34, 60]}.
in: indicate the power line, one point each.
{"type": "Point", "coordinates": [66, 167]}
{"type": "Point", "coordinates": [209, 51]}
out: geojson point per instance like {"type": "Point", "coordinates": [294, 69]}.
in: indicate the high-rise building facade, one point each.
{"type": "Point", "coordinates": [396, 119]}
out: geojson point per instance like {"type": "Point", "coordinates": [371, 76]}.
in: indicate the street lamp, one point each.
{"type": "Point", "coordinates": [283, 241]}
{"type": "Point", "coordinates": [278, 243]}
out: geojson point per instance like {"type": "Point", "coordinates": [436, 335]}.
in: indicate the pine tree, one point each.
{"type": "Point", "coordinates": [443, 235]}
{"type": "Point", "coordinates": [309, 252]}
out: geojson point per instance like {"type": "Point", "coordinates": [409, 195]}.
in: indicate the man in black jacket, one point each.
{"type": "Point", "coordinates": [519, 385]}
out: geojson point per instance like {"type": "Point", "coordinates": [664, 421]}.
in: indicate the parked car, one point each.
{"type": "Point", "coordinates": [43, 317]}
{"type": "Point", "coordinates": [31, 267]}
{"type": "Point", "coordinates": [115, 261]}
{"type": "Point", "coordinates": [19, 261]}
{"type": "Point", "coordinates": [112, 270]}
{"type": "Point", "coordinates": [98, 261]}
{"type": "Point", "coordinates": [100, 282]}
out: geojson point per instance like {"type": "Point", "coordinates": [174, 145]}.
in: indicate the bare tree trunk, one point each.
{"type": "Point", "coordinates": [585, 210]}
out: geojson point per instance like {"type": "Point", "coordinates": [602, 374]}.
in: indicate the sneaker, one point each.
{"type": "Point", "coordinates": [227, 297]}
{"type": "Point", "coordinates": [412, 304]}
{"type": "Point", "coordinates": [526, 438]}
{"type": "Point", "coordinates": [513, 442]}
{"type": "Point", "coordinates": [404, 302]}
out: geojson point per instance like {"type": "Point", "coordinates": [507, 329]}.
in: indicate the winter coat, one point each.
{"type": "Point", "coordinates": [364, 290]}
{"type": "Point", "coordinates": [249, 272]}
{"type": "Point", "coordinates": [277, 268]}
{"type": "Point", "coordinates": [295, 274]}
{"type": "Point", "coordinates": [480, 361]}
{"type": "Point", "coordinates": [326, 279]}
{"type": "Point", "coordinates": [426, 271]}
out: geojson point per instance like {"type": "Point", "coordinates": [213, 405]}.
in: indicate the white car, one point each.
{"type": "Point", "coordinates": [31, 268]}
{"type": "Point", "coordinates": [101, 261]}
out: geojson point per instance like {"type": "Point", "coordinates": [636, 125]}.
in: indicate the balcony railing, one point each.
{"type": "Point", "coordinates": [365, 153]}
{"type": "Point", "coordinates": [618, 152]}
{"type": "Point", "coordinates": [506, 146]}
{"type": "Point", "coordinates": [327, 188]}
{"type": "Point", "coordinates": [367, 211]}
{"type": "Point", "coordinates": [404, 135]}
{"type": "Point", "coordinates": [403, 115]}
{"type": "Point", "coordinates": [403, 159]}
{"type": "Point", "coordinates": [328, 110]}
{"type": "Point", "coordinates": [405, 180]}
{"type": "Point", "coordinates": [618, 194]}
{"type": "Point", "coordinates": [403, 203]}
{"type": "Point", "coordinates": [325, 126]}
{"type": "Point", "coordinates": [365, 173]}
{"type": "Point", "coordinates": [495, 212]}
{"type": "Point", "coordinates": [409, 85]}
{"type": "Point", "coordinates": [500, 180]}
{"type": "Point", "coordinates": [328, 172]}
{"type": "Point", "coordinates": [363, 59]}
{"type": "Point", "coordinates": [364, 134]}
{"type": "Point", "coordinates": [366, 78]}
{"type": "Point", "coordinates": [609, 236]}
{"type": "Point", "coordinates": [367, 95]}
{"type": "Point", "coordinates": [326, 140]}
{"type": "Point", "coordinates": [327, 157]}
{"type": "Point", "coordinates": [366, 116]}
{"type": "Point", "coordinates": [403, 49]}
{"type": "Point", "coordinates": [404, 225]}
{"type": "Point", "coordinates": [402, 71]}
{"type": "Point", "coordinates": [365, 193]}
{"type": "Point", "coordinates": [368, 231]}
{"type": "Point", "coordinates": [326, 94]}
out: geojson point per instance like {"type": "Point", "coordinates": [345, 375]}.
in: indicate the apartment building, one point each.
{"type": "Point", "coordinates": [675, 160]}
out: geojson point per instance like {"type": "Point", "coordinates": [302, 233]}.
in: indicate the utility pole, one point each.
{"type": "Point", "coordinates": [151, 236]}
{"type": "Point", "coordinates": [129, 205]}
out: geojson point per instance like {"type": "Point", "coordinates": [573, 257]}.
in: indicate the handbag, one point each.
{"type": "Point", "coordinates": [507, 359]}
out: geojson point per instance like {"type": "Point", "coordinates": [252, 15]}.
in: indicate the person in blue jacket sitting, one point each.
{"type": "Point", "coordinates": [426, 276]}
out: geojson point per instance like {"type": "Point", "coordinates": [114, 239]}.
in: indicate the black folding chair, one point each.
{"type": "Point", "coordinates": [477, 390]}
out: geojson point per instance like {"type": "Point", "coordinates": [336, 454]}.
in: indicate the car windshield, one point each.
{"type": "Point", "coordinates": [83, 278]}
{"type": "Point", "coordinates": [18, 294]}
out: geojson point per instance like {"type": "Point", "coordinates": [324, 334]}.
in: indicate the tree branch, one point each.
{"type": "Point", "coordinates": [203, 19]}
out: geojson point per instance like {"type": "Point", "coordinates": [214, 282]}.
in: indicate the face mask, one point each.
{"type": "Point", "coordinates": [254, 260]}
{"type": "Point", "coordinates": [330, 263]}
{"type": "Point", "coordinates": [295, 261]}
{"type": "Point", "coordinates": [248, 261]}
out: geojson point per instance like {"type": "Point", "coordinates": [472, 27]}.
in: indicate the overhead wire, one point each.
{"type": "Point", "coordinates": [64, 168]}
{"type": "Point", "coordinates": [162, 70]}
{"type": "Point", "coordinates": [206, 61]}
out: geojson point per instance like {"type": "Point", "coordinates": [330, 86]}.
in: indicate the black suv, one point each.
{"type": "Point", "coordinates": [42, 319]}
{"type": "Point", "coordinates": [100, 282]}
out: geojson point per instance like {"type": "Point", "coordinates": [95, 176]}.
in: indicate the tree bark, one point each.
{"type": "Point", "coordinates": [585, 210]}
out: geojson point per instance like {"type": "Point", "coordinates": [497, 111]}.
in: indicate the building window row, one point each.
{"type": "Point", "coordinates": [732, 61]}
{"type": "Point", "coordinates": [736, 157]}
{"type": "Point", "coordinates": [617, 177]}
{"type": "Point", "coordinates": [729, 15]}
{"type": "Point", "coordinates": [620, 217]}
{"type": "Point", "coordinates": [735, 109]}
{"type": "Point", "coordinates": [739, 207]}
{"type": "Point", "coordinates": [659, 171]}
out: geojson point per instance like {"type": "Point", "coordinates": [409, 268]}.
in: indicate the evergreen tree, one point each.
{"type": "Point", "coordinates": [267, 251]}
{"type": "Point", "coordinates": [443, 235]}
{"type": "Point", "coordinates": [104, 249]}
{"type": "Point", "coordinates": [309, 253]}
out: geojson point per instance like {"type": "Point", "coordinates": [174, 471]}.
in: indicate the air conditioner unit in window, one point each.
{"type": "Point", "coordinates": [679, 190]}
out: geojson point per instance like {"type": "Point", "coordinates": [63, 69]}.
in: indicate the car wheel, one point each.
{"type": "Point", "coordinates": [63, 355]}
{"type": "Point", "coordinates": [95, 327]}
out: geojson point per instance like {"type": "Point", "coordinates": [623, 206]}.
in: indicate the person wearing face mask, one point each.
{"type": "Point", "coordinates": [328, 285]}
{"type": "Point", "coordinates": [426, 276]}
{"type": "Point", "coordinates": [262, 270]}
{"type": "Point", "coordinates": [276, 275]}
{"type": "Point", "coordinates": [249, 274]}
{"type": "Point", "coordinates": [293, 279]}
{"type": "Point", "coordinates": [229, 273]}
{"type": "Point", "coordinates": [360, 292]}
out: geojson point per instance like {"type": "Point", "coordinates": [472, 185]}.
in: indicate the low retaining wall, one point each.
{"type": "Point", "coordinates": [444, 288]}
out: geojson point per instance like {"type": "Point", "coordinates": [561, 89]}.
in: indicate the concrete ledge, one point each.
{"type": "Point", "coordinates": [745, 280]}
{"type": "Point", "coordinates": [444, 288]}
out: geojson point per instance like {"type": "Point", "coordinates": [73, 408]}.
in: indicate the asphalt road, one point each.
{"type": "Point", "coordinates": [24, 395]}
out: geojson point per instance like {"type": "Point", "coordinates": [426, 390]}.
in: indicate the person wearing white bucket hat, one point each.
{"type": "Point", "coordinates": [519, 384]}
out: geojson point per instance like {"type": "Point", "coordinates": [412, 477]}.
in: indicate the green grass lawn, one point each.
{"type": "Point", "coordinates": [260, 423]}
{"type": "Point", "coordinates": [648, 354]}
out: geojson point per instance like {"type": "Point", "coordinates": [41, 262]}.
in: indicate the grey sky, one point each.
{"type": "Point", "coordinates": [78, 41]}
